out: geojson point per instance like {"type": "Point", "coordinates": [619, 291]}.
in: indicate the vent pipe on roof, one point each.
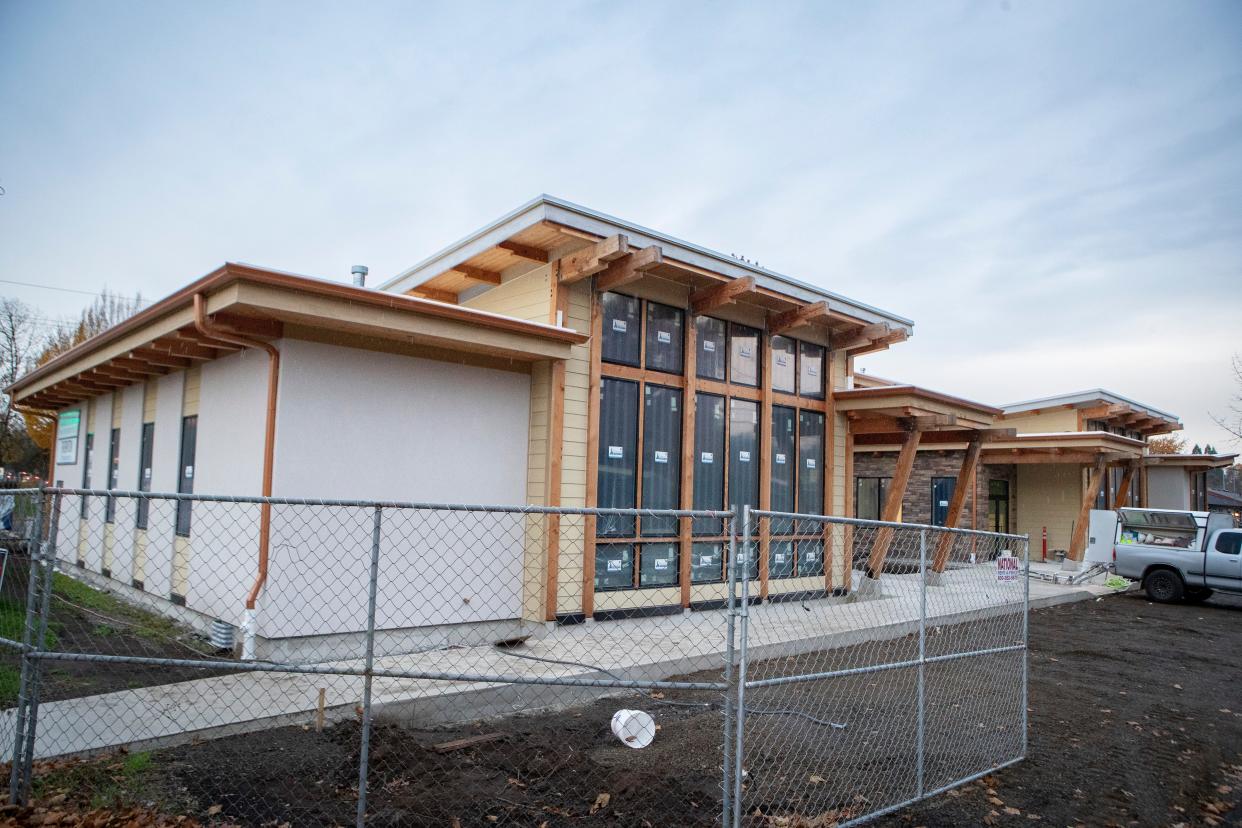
{"type": "Point", "coordinates": [360, 275]}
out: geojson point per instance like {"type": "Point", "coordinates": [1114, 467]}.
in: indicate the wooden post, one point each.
{"type": "Point", "coordinates": [1078, 543]}
{"type": "Point", "coordinates": [965, 479]}
{"type": "Point", "coordinates": [1123, 488]}
{"type": "Point", "coordinates": [892, 503]}
{"type": "Point", "coordinates": [592, 481]}
{"type": "Point", "coordinates": [558, 306]}
{"type": "Point", "coordinates": [765, 457]}
{"type": "Point", "coordinates": [688, 402]}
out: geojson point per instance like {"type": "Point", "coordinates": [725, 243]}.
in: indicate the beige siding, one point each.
{"type": "Point", "coordinates": [574, 452]}
{"type": "Point", "coordinates": [150, 394]}
{"type": "Point", "coordinates": [193, 387]}
{"type": "Point", "coordinates": [839, 480]}
{"type": "Point", "coordinates": [1048, 495]}
{"type": "Point", "coordinates": [1056, 420]}
{"type": "Point", "coordinates": [527, 296]}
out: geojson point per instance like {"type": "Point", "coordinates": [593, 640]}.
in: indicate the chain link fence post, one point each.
{"type": "Point", "coordinates": [34, 540]}
{"type": "Point", "coordinates": [1026, 635]}
{"type": "Point", "coordinates": [48, 558]}
{"type": "Point", "coordinates": [921, 747]}
{"type": "Point", "coordinates": [744, 620]}
{"type": "Point", "coordinates": [726, 813]}
{"type": "Point", "coordinates": [364, 748]}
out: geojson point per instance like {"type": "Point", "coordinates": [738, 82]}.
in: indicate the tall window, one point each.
{"type": "Point", "coordinates": [709, 461]}
{"type": "Point", "coordinates": [784, 365]}
{"type": "Point", "coordinates": [797, 486]}
{"type": "Point", "coordinates": [185, 479]}
{"type": "Point", "coordinates": [618, 464]}
{"type": "Point", "coordinates": [998, 505]}
{"type": "Point", "coordinates": [712, 342]}
{"type": "Point", "coordinates": [86, 470]}
{"type": "Point", "coordinates": [661, 460]}
{"type": "Point", "coordinates": [869, 496]}
{"type": "Point", "coordinates": [784, 464]}
{"type": "Point", "coordinates": [145, 452]}
{"type": "Point", "coordinates": [743, 355]}
{"type": "Point", "coordinates": [114, 473]}
{"type": "Point", "coordinates": [811, 370]}
{"type": "Point", "coordinates": [941, 493]}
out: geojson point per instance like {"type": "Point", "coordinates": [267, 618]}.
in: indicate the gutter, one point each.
{"type": "Point", "coordinates": [211, 331]}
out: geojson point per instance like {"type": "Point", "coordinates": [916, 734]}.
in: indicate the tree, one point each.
{"type": "Point", "coordinates": [18, 341]}
{"type": "Point", "coordinates": [1168, 444]}
{"type": "Point", "coordinates": [1196, 449]}
{"type": "Point", "coordinates": [1232, 422]}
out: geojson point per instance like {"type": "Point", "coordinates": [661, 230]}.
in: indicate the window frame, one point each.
{"type": "Point", "coordinates": [185, 482]}
{"type": "Point", "coordinates": [146, 456]}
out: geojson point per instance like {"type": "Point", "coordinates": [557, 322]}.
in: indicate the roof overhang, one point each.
{"type": "Point", "coordinates": [1191, 461]}
{"type": "Point", "coordinates": [259, 304]}
{"type": "Point", "coordinates": [1099, 404]}
{"type": "Point", "coordinates": [876, 409]}
{"type": "Point", "coordinates": [1003, 446]}
{"type": "Point", "coordinates": [581, 242]}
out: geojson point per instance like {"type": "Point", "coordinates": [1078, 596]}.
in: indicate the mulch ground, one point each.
{"type": "Point", "coordinates": [1136, 719]}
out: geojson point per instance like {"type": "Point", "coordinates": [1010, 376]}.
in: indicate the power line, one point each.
{"type": "Point", "coordinates": [64, 289]}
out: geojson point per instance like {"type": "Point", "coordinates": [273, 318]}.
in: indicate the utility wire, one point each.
{"type": "Point", "coordinates": [62, 289]}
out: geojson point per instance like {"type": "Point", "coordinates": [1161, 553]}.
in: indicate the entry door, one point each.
{"type": "Point", "coordinates": [1223, 567]}
{"type": "Point", "coordinates": [941, 494]}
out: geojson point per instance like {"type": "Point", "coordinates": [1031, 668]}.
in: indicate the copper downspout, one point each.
{"type": "Point", "coordinates": [207, 329]}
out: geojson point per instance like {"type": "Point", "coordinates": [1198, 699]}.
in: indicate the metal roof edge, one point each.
{"type": "Point", "coordinates": [1084, 396]}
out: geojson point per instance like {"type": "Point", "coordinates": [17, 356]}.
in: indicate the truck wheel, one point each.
{"type": "Point", "coordinates": [1198, 596]}
{"type": "Point", "coordinates": [1164, 586]}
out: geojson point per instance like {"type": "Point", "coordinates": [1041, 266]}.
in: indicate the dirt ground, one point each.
{"type": "Point", "coordinates": [1136, 719]}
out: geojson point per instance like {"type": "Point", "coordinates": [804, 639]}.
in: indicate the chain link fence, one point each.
{"type": "Point", "coordinates": [265, 660]}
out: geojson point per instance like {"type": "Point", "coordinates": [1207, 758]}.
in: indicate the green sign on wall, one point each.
{"type": "Point", "coordinates": [67, 427]}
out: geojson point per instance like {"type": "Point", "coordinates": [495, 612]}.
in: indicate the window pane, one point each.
{"type": "Point", "coordinates": [707, 563]}
{"type": "Point", "coordinates": [618, 441]}
{"type": "Point", "coordinates": [114, 472]}
{"type": "Point", "coordinates": [661, 457]}
{"type": "Point", "coordinates": [145, 450]}
{"type": "Point", "coordinates": [867, 498]}
{"type": "Point", "coordinates": [780, 559]}
{"type": "Point", "coordinates": [709, 460]}
{"type": "Point", "coordinates": [710, 336]}
{"type": "Point", "coordinates": [658, 565]}
{"type": "Point", "coordinates": [941, 494]}
{"type": "Point", "coordinates": [87, 456]}
{"type": "Point", "coordinates": [622, 328]}
{"type": "Point", "coordinates": [614, 566]}
{"type": "Point", "coordinates": [784, 462]}
{"type": "Point", "coordinates": [811, 371]}
{"type": "Point", "coordinates": [810, 466]}
{"type": "Point", "coordinates": [185, 476]}
{"type": "Point", "coordinates": [665, 338]}
{"type": "Point", "coordinates": [810, 558]}
{"type": "Point", "coordinates": [743, 355]}
{"type": "Point", "coordinates": [784, 364]}
{"type": "Point", "coordinates": [743, 454]}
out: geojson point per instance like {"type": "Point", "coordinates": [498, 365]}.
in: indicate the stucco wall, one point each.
{"type": "Point", "coordinates": [1055, 420]}
{"type": "Point", "coordinates": [1168, 487]}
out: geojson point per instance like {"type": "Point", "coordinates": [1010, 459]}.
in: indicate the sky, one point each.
{"type": "Point", "coordinates": [1052, 191]}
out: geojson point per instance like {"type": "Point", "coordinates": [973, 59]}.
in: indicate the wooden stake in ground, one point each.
{"type": "Point", "coordinates": [319, 708]}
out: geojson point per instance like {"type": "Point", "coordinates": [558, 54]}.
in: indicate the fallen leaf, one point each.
{"type": "Point", "coordinates": [214, 809]}
{"type": "Point", "coordinates": [1012, 811]}
{"type": "Point", "coordinates": [601, 801]}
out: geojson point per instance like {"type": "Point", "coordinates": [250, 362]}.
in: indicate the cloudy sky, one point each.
{"type": "Point", "coordinates": [1052, 191]}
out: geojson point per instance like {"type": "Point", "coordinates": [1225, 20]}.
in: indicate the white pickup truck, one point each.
{"type": "Point", "coordinates": [1178, 555]}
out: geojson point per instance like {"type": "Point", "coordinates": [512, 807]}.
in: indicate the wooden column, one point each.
{"type": "Point", "coordinates": [829, 464]}
{"type": "Point", "coordinates": [765, 459]}
{"type": "Point", "coordinates": [847, 531]}
{"type": "Point", "coordinates": [558, 301]}
{"type": "Point", "coordinates": [892, 503]}
{"type": "Point", "coordinates": [1078, 542]}
{"type": "Point", "coordinates": [688, 401]}
{"type": "Point", "coordinates": [592, 481]}
{"type": "Point", "coordinates": [965, 481]}
{"type": "Point", "coordinates": [1123, 488]}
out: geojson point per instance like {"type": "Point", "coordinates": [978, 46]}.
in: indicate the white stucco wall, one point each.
{"type": "Point", "coordinates": [355, 424]}
{"type": "Point", "coordinates": [161, 525]}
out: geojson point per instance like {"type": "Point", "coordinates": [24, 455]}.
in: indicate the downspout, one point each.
{"type": "Point", "coordinates": [208, 329]}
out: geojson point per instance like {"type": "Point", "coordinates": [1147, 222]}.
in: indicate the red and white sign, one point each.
{"type": "Point", "coordinates": [1007, 568]}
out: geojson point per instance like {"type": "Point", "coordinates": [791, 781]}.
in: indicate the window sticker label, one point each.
{"type": "Point", "coordinates": [616, 452]}
{"type": "Point", "coordinates": [782, 360]}
{"type": "Point", "coordinates": [780, 459]}
{"type": "Point", "coordinates": [664, 337]}
{"type": "Point", "coordinates": [146, 474]}
{"type": "Point", "coordinates": [812, 369]}
{"type": "Point", "coordinates": [779, 557]}
{"type": "Point", "coordinates": [661, 456]}
{"type": "Point", "coordinates": [743, 456]}
{"type": "Point", "coordinates": [661, 563]}
{"type": "Point", "coordinates": [810, 462]}
{"type": "Point", "coordinates": [618, 325]}
{"type": "Point", "coordinates": [706, 560]}
{"type": "Point", "coordinates": [746, 351]}
{"type": "Point", "coordinates": [614, 566]}
{"type": "Point", "coordinates": [189, 472]}
{"type": "Point", "coordinates": [707, 458]}
{"type": "Point", "coordinates": [709, 345]}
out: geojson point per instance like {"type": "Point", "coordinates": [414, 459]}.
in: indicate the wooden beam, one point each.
{"type": "Point", "coordinates": [592, 458]}
{"type": "Point", "coordinates": [796, 318]}
{"type": "Point", "coordinates": [592, 259]}
{"type": "Point", "coordinates": [249, 326]}
{"type": "Point", "coordinates": [892, 503]}
{"type": "Point", "coordinates": [629, 268]}
{"type": "Point", "coordinates": [196, 338]}
{"type": "Point", "coordinates": [970, 462]}
{"type": "Point", "coordinates": [1078, 541]}
{"type": "Point", "coordinates": [526, 251]}
{"type": "Point", "coordinates": [435, 295]}
{"type": "Point", "coordinates": [156, 357]}
{"type": "Point", "coordinates": [99, 379]}
{"type": "Point", "coordinates": [863, 336]}
{"type": "Point", "coordinates": [138, 366]}
{"type": "Point", "coordinates": [121, 373]}
{"type": "Point", "coordinates": [881, 343]}
{"type": "Point", "coordinates": [1123, 488]}
{"type": "Point", "coordinates": [185, 348]}
{"type": "Point", "coordinates": [717, 296]}
{"type": "Point", "coordinates": [478, 274]}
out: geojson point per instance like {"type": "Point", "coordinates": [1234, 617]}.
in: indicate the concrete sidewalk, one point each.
{"type": "Point", "coordinates": [638, 649]}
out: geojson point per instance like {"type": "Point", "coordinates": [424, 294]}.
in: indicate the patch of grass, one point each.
{"type": "Point", "coordinates": [10, 684]}
{"type": "Point", "coordinates": [13, 623]}
{"type": "Point", "coordinates": [127, 781]}
{"type": "Point", "coordinates": [126, 618]}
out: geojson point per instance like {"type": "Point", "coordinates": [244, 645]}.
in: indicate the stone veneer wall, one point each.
{"type": "Point", "coordinates": [916, 505]}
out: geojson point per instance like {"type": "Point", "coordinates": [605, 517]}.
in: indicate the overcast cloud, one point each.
{"type": "Point", "coordinates": [1052, 191]}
